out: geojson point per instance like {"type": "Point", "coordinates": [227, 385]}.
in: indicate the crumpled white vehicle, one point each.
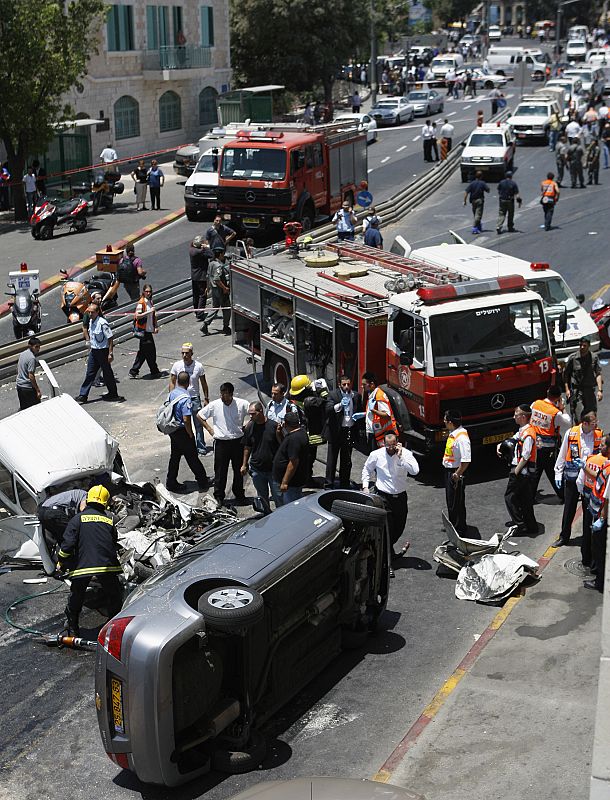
{"type": "Point", "coordinates": [494, 577]}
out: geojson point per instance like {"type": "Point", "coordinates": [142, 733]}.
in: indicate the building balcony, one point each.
{"type": "Point", "coordinates": [173, 63]}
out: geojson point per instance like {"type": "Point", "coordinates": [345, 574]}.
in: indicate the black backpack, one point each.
{"type": "Point", "coordinates": [399, 409]}
{"type": "Point", "coordinates": [126, 271]}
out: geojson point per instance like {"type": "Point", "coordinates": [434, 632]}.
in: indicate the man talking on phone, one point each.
{"type": "Point", "coordinates": [392, 465]}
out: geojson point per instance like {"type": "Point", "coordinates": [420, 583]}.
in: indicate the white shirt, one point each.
{"type": "Point", "coordinates": [147, 306]}
{"type": "Point", "coordinates": [194, 370]}
{"type": "Point", "coordinates": [428, 132]}
{"type": "Point", "coordinates": [392, 471]}
{"type": "Point", "coordinates": [380, 406]}
{"type": "Point", "coordinates": [228, 420]}
{"type": "Point", "coordinates": [29, 181]}
{"type": "Point", "coordinates": [276, 411]}
{"type": "Point", "coordinates": [447, 130]}
{"type": "Point", "coordinates": [108, 154]}
{"type": "Point", "coordinates": [587, 441]}
{"type": "Point", "coordinates": [526, 450]}
{"type": "Point", "coordinates": [461, 448]}
{"type": "Point", "coordinates": [602, 112]}
{"type": "Point", "coordinates": [346, 419]}
{"type": "Point", "coordinates": [573, 129]}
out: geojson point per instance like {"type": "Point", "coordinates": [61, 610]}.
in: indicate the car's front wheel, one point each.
{"type": "Point", "coordinates": [231, 608]}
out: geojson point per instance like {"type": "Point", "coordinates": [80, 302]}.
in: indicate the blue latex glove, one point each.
{"type": "Point", "coordinates": [598, 524]}
{"type": "Point", "coordinates": [558, 483]}
{"type": "Point", "coordinates": [358, 415]}
{"type": "Point", "coordinates": [579, 463]}
{"type": "Point", "coordinates": [345, 401]}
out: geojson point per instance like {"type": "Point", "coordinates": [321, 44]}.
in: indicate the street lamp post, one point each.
{"type": "Point", "coordinates": [558, 23]}
{"type": "Point", "coordinates": [373, 65]}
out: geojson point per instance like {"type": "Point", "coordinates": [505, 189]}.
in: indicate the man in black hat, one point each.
{"type": "Point", "coordinates": [508, 192]}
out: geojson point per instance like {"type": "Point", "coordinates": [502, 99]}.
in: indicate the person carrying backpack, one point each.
{"type": "Point", "coordinates": [129, 273]}
{"type": "Point", "coordinates": [182, 437]}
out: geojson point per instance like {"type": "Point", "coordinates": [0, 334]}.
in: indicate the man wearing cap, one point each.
{"type": "Point", "coordinates": [508, 192]}
{"type": "Point", "coordinates": [88, 548]}
{"type": "Point", "coordinates": [200, 256]}
{"type": "Point", "coordinates": [219, 278]}
{"type": "Point", "coordinates": [197, 384]}
{"type": "Point", "coordinates": [346, 221]}
{"type": "Point", "coordinates": [583, 378]}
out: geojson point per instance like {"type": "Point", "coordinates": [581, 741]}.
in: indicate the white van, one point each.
{"type": "Point", "coordinates": [441, 65]}
{"type": "Point", "coordinates": [578, 32]}
{"type": "Point", "coordinates": [201, 188]}
{"type": "Point", "coordinates": [576, 50]}
{"type": "Point", "coordinates": [480, 263]}
{"type": "Point", "coordinates": [505, 60]}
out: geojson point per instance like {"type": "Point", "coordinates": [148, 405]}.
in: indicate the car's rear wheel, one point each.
{"type": "Point", "coordinates": [236, 762]}
{"type": "Point", "coordinates": [230, 608]}
{"type": "Point", "coordinates": [357, 512]}
{"type": "Point", "coordinates": [488, 85]}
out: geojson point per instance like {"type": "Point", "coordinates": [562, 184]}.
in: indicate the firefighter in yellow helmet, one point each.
{"type": "Point", "coordinates": [310, 400]}
{"type": "Point", "coordinates": [88, 548]}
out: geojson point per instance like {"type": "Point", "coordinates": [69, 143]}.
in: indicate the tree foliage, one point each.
{"type": "Point", "coordinates": [46, 45]}
{"type": "Point", "coordinates": [300, 43]}
{"type": "Point", "coordinates": [450, 10]}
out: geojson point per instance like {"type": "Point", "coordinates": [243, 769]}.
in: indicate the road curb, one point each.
{"type": "Point", "coordinates": [397, 756]}
{"type": "Point", "coordinates": [89, 263]}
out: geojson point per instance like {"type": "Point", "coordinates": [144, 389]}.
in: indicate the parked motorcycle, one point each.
{"type": "Point", "coordinates": [25, 310]}
{"type": "Point", "coordinates": [104, 188]}
{"type": "Point", "coordinates": [76, 294]}
{"type": "Point", "coordinates": [49, 215]}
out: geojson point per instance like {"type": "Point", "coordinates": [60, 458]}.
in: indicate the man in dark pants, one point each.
{"type": "Point", "coordinates": [100, 357]}
{"type": "Point", "coordinates": [508, 192]}
{"type": "Point", "coordinates": [583, 378]}
{"type": "Point", "coordinates": [476, 189]}
{"type": "Point", "coordinates": [182, 440]}
{"type": "Point", "coordinates": [519, 494]}
{"type": "Point", "coordinates": [88, 548]}
{"type": "Point", "coordinates": [578, 444]}
{"type": "Point", "coordinates": [200, 256]}
{"type": "Point", "coordinates": [456, 460]}
{"type": "Point", "coordinates": [599, 529]}
{"type": "Point", "coordinates": [585, 483]}
{"type": "Point", "coordinates": [219, 278]}
{"type": "Point", "coordinates": [228, 417]}
{"type": "Point", "coordinates": [56, 512]}
{"type": "Point", "coordinates": [392, 465]}
{"type": "Point", "coordinates": [28, 391]}
{"type": "Point", "coordinates": [344, 404]}
{"type": "Point", "coordinates": [549, 418]}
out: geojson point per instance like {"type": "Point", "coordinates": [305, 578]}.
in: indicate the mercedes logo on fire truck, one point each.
{"type": "Point", "coordinates": [250, 196]}
{"type": "Point", "coordinates": [498, 401]}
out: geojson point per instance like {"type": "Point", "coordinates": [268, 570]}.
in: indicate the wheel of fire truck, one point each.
{"type": "Point", "coordinates": [236, 762]}
{"type": "Point", "coordinates": [280, 371]}
{"type": "Point", "coordinates": [308, 216]}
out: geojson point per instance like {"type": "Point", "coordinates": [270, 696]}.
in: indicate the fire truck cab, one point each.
{"type": "Point", "coordinates": [443, 340]}
{"type": "Point", "coordinates": [289, 172]}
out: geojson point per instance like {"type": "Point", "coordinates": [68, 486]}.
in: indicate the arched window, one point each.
{"type": "Point", "coordinates": [126, 118]}
{"type": "Point", "coordinates": [170, 115]}
{"type": "Point", "coordinates": [208, 113]}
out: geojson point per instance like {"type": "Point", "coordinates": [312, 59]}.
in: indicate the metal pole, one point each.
{"type": "Point", "coordinates": [373, 66]}
{"type": "Point", "coordinates": [557, 31]}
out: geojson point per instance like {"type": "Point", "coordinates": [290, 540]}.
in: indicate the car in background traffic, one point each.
{"type": "Point", "coordinates": [426, 101]}
{"type": "Point", "coordinates": [392, 111]}
{"type": "Point", "coordinates": [592, 78]}
{"type": "Point", "coordinates": [491, 149]}
{"type": "Point", "coordinates": [598, 55]}
{"type": "Point", "coordinates": [573, 96]}
{"type": "Point", "coordinates": [484, 77]}
{"type": "Point", "coordinates": [494, 34]}
{"type": "Point", "coordinates": [421, 52]}
{"type": "Point", "coordinates": [207, 649]}
{"type": "Point", "coordinates": [576, 50]}
{"type": "Point", "coordinates": [364, 122]}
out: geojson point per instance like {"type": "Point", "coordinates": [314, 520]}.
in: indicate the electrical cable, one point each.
{"type": "Point", "coordinates": [15, 603]}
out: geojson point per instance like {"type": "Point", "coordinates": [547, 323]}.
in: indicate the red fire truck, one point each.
{"type": "Point", "coordinates": [289, 172]}
{"type": "Point", "coordinates": [443, 340]}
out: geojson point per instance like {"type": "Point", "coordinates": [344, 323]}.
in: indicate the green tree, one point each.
{"type": "Point", "coordinates": [450, 10]}
{"type": "Point", "coordinates": [46, 45]}
{"type": "Point", "coordinates": [300, 44]}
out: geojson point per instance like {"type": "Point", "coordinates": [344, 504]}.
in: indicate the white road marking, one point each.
{"type": "Point", "coordinates": [400, 149]}
{"type": "Point", "coordinates": [452, 114]}
{"type": "Point", "coordinates": [416, 138]}
{"type": "Point", "coordinates": [368, 172]}
{"type": "Point", "coordinates": [383, 160]}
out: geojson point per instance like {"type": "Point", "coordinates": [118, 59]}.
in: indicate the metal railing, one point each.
{"type": "Point", "coordinates": [188, 56]}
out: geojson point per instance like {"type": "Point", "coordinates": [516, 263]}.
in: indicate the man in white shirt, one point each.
{"type": "Point", "coordinates": [456, 460]}
{"type": "Point", "coordinates": [277, 406]}
{"type": "Point", "coordinates": [108, 154]}
{"type": "Point", "coordinates": [447, 131]}
{"type": "Point", "coordinates": [573, 130]}
{"type": "Point", "coordinates": [428, 134]}
{"type": "Point", "coordinates": [228, 417]}
{"type": "Point", "coordinates": [197, 384]}
{"type": "Point", "coordinates": [392, 465]}
{"type": "Point", "coordinates": [549, 419]}
{"type": "Point", "coordinates": [29, 186]}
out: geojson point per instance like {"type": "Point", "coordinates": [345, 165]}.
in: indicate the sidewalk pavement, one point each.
{"type": "Point", "coordinates": [76, 251]}
{"type": "Point", "coordinates": [518, 721]}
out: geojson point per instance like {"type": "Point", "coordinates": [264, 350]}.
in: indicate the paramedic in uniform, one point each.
{"type": "Point", "coordinates": [456, 461]}
{"type": "Point", "coordinates": [379, 415]}
{"type": "Point", "coordinates": [585, 483]}
{"type": "Point", "coordinates": [578, 444]}
{"type": "Point", "coordinates": [519, 494]}
{"type": "Point", "coordinates": [548, 415]}
{"type": "Point", "coordinates": [599, 529]}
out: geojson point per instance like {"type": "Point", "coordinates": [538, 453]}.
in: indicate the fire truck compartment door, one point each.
{"type": "Point", "coordinates": [318, 315]}
{"type": "Point", "coordinates": [245, 293]}
{"type": "Point", "coordinates": [314, 321]}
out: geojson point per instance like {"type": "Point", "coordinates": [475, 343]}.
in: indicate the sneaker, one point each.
{"type": "Point", "coordinates": [80, 398]}
{"type": "Point", "coordinates": [113, 398]}
{"type": "Point", "coordinates": [134, 376]}
{"type": "Point", "coordinates": [159, 374]}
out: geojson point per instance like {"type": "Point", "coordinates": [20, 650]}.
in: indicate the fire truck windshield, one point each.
{"type": "Point", "coordinates": [253, 162]}
{"type": "Point", "coordinates": [485, 338]}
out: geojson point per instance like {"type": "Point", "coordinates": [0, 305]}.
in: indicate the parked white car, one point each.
{"type": "Point", "coordinates": [365, 123]}
{"type": "Point", "coordinates": [392, 111]}
{"type": "Point", "coordinates": [576, 50]}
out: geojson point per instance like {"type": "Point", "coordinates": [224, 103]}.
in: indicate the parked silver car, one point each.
{"type": "Point", "coordinates": [392, 111]}
{"type": "Point", "coordinates": [426, 101]}
{"type": "Point", "coordinates": [214, 643]}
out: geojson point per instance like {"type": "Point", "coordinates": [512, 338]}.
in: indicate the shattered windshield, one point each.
{"type": "Point", "coordinates": [479, 339]}
{"type": "Point", "coordinates": [253, 162]}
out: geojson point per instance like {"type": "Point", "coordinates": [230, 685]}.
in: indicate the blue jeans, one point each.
{"type": "Point", "coordinates": [292, 493]}
{"type": "Point", "coordinates": [264, 483]}
{"type": "Point", "coordinates": [606, 153]}
{"type": "Point", "coordinates": [199, 438]}
{"type": "Point", "coordinates": [553, 136]}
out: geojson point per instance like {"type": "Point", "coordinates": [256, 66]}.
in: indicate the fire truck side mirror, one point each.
{"type": "Point", "coordinates": [405, 342]}
{"type": "Point", "coordinates": [563, 321]}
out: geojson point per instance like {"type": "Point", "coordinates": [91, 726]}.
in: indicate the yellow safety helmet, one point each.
{"type": "Point", "coordinates": [98, 494]}
{"type": "Point", "coordinates": [298, 384]}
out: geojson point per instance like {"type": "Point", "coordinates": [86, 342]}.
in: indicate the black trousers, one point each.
{"type": "Point", "coordinates": [200, 293]}
{"type": "Point", "coordinates": [228, 451]}
{"type": "Point", "coordinates": [133, 290]}
{"type": "Point", "coordinates": [182, 444]}
{"type": "Point", "coordinates": [519, 500]}
{"type": "Point", "coordinates": [339, 449]}
{"type": "Point", "coordinates": [599, 555]}
{"type": "Point", "coordinates": [570, 504]}
{"type": "Point", "coordinates": [110, 585]}
{"type": "Point", "coordinates": [147, 351]}
{"type": "Point", "coordinates": [398, 509]}
{"type": "Point", "coordinates": [98, 359]}
{"type": "Point", "coordinates": [586, 550]}
{"type": "Point", "coordinates": [155, 196]}
{"type": "Point", "coordinates": [434, 146]}
{"type": "Point", "coordinates": [427, 149]}
{"type": "Point", "coordinates": [548, 209]}
{"type": "Point", "coordinates": [585, 397]}
{"type": "Point", "coordinates": [27, 397]}
{"type": "Point", "coordinates": [545, 463]}
{"type": "Point", "coordinates": [455, 495]}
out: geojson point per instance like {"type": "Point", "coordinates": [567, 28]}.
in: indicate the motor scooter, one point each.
{"type": "Point", "coordinates": [103, 189]}
{"type": "Point", "coordinates": [25, 311]}
{"type": "Point", "coordinates": [49, 215]}
{"type": "Point", "coordinates": [76, 294]}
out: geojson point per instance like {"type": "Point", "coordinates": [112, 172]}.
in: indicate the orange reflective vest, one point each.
{"type": "Point", "coordinates": [595, 464]}
{"type": "Point", "coordinates": [596, 499]}
{"type": "Point", "coordinates": [521, 437]}
{"type": "Point", "coordinates": [140, 323]}
{"type": "Point", "coordinates": [574, 450]}
{"type": "Point", "coordinates": [381, 425]}
{"type": "Point", "coordinates": [549, 189]}
{"type": "Point", "coordinates": [543, 420]}
{"type": "Point", "coordinates": [449, 457]}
